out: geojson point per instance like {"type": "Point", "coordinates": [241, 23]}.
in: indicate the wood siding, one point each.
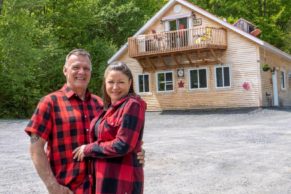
{"type": "Point", "coordinates": [279, 64]}
{"type": "Point", "coordinates": [243, 57]}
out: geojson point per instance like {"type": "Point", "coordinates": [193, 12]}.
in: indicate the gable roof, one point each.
{"type": "Point", "coordinates": [163, 10]}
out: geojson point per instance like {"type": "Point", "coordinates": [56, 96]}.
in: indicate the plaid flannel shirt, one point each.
{"type": "Point", "coordinates": [119, 137]}
{"type": "Point", "coordinates": [63, 120]}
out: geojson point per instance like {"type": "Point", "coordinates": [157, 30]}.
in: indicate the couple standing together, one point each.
{"type": "Point", "coordinates": [83, 145]}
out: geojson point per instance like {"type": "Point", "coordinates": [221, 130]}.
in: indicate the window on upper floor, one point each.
{"type": "Point", "coordinates": [178, 24]}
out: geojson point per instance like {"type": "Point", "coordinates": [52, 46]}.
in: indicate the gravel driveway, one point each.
{"type": "Point", "coordinates": [215, 152]}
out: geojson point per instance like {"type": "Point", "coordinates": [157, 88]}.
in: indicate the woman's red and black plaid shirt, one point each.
{"type": "Point", "coordinates": [115, 143]}
{"type": "Point", "coordinates": [63, 120]}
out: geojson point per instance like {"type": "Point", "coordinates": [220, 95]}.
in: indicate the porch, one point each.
{"type": "Point", "coordinates": [165, 43]}
{"type": "Point", "coordinates": [173, 49]}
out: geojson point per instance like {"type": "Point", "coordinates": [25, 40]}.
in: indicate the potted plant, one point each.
{"type": "Point", "coordinates": [266, 67]}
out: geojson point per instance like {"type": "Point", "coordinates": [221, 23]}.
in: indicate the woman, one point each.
{"type": "Point", "coordinates": [117, 135]}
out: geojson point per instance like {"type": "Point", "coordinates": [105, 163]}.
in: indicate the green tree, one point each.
{"type": "Point", "coordinates": [18, 58]}
{"type": "Point", "coordinates": [120, 19]}
{"type": "Point", "coordinates": [35, 36]}
{"type": "Point", "coordinates": [272, 16]}
{"type": "Point", "coordinates": [34, 39]}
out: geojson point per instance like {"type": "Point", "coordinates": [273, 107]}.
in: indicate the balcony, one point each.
{"type": "Point", "coordinates": [175, 42]}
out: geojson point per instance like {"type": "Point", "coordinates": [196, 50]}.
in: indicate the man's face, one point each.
{"type": "Point", "coordinates": [78, 72]}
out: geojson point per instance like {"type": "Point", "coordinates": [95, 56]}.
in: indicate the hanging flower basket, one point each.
{"type": "Point", "coordinates": [266, 67]}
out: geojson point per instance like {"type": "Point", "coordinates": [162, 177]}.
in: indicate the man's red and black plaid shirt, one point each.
{"type": "Point", "coordinates": [116, 140]}
{"type": "Point", "coordinates": [63, 120]}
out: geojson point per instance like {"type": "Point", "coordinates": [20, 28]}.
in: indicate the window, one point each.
{"type": "Point", "coordinates": [179, 39]}
{"type": "Point", "coordinates": [178, 24]}
{"type": "Point", "coordinates": [222, 75]}
{"type": "Point", "coordinates": [283, 80]}
{"type": "Point", "coordinates": [198, 78]}
{"type": "Point", "coordinates": [143, 83]}
{"type": "Point", "coordinates": [165, 81]}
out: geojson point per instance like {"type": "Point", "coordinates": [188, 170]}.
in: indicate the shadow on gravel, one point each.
{"type": "Point", "coordinates": [222, 111]}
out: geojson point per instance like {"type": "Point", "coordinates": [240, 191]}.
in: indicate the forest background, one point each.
{"type": "Point", "coordinates": [36, 35]}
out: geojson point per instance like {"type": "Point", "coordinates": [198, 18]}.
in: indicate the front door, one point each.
{"type": "Point", "coordinates": [275, 89]}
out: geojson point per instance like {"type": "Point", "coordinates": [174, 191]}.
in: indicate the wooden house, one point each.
{"type": "Point", "coordinates": [187, 58]}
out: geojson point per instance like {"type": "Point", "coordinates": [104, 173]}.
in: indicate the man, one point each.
{"type": "Point", "coordinates": [62, 120]}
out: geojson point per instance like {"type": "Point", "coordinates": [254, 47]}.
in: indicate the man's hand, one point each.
{"type": "Point", "coordinates": [56, 188]}
{"type": "Point", "coordinates": [40, 161]}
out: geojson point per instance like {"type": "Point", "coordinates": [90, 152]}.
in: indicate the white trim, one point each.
{"type": "Point", "coordinates": [118, 53]}
{"type": "Point", "coordinates": [157, 81]}
{"type": "Point", "coordinates": [137, 84]}
{"type": "Point", "coordinates": [189, 79]}
{"type": "Point", "coordinates": [289, 79]}
{"type": "Point", "coordinates": [285, 80]}
{"type": "Point", "coordinates": [167, 26]}
{"type": "Point", "coordinates": [164, 9]}
{"type": "Point", "coordinates": [215, 78]}
{"type": "Point", "coordinates": [177, 16]}
{"type": "Point", "coordinates": [276, 50]}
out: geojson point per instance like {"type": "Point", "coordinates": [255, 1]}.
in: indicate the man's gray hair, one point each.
{"type": "Point", "coordinates": [77, 52]}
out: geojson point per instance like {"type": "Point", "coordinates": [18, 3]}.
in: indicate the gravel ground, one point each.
{"type": "Point", "coordinates": [209, 152]}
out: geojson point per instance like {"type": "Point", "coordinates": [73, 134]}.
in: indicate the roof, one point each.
{"type": "Point", "coordinates": [201, 11]}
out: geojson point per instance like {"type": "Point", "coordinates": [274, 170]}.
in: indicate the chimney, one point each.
{"type": "Point", "coordinates": [256, 32]}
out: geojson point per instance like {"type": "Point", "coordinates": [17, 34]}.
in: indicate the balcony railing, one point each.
{"type": "Point", "coordinates": [175, 41]}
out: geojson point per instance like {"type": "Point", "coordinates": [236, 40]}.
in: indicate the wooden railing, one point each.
{"type": "Point", "coordinates": [180, 40]}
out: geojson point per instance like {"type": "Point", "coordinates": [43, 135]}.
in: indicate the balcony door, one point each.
{"type": "Point", "coordinates": [179, 24]}
{"type": "Point", "coordinates": [178, 38]}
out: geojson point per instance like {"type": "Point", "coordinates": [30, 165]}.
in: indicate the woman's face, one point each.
{"type": "Point", "coordinates": [117, 85]}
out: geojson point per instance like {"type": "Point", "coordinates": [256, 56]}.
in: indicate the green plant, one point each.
{"type": "Point", "coordinates": [266, 67]}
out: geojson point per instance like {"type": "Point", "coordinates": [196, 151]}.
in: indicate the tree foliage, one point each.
{"type": "Point", "coordinates": [273, 17]}
{"type": "Point", "coordinates": [36, 35]}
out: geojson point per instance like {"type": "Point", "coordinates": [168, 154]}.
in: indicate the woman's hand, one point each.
{"type": "Point", "coordinates": [141, 157]}
{"type": "Point", "coordinates": [79, 153]}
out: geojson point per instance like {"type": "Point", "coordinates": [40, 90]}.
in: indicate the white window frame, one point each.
{"type": "Point", "coordinates": [285, 80]}
{"type": "Point", "coordinates": [167, 21]}
{"type": "Point", "coordinates": [137, 83]}
{"type": "Point", "coordinates": [157, 81]}
{"type": "Point", "coordinates": [230, 76]}
{"type": "Point", "coordinates": [189, 78]}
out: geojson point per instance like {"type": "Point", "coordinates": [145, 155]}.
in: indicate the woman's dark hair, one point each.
{"type": "Point", "coordinates": [116, 66]}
